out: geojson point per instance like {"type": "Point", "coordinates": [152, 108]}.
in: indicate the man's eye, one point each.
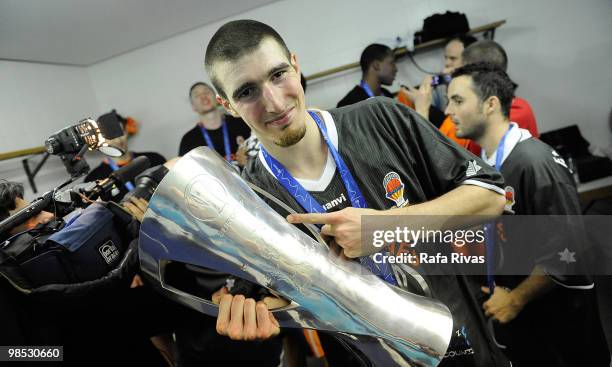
{"type": "Point", "coordinates": [279, 74]}
{"type": "Point", "coordinates": [245, 93]}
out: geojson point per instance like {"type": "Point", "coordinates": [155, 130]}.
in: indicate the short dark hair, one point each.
{"type": "Point", "coordinates": [465, 39]}
{"type": "Point", "coordinates": [9, 191]}
{"type": "Point", "coordinates": [199, 83]}
{"type": "Point", "coordinates": [486, 51]}
{"type": "Point", "coordinates": [234, 40]}
{"type": "Point", "coordinates": [489, 80]}
{"type": "Point", "coordinates": [374, 52]}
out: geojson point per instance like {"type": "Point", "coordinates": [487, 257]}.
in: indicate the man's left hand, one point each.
{"type": "Point", "coordinates": [344, 225]}
{"type": "Point", "coordinates": [503, 305]}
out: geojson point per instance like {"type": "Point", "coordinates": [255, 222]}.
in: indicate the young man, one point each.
{"type": "Point", "coordinates": [223, 133]}
{"type": "Point", "coordinates": [520, 110]}
{"type": "Point", "coordinates": [378, 68]}
{"type": "Point", "coordinates": [548, 321]}
{"type": "Point", "coordinates": [257, 78]}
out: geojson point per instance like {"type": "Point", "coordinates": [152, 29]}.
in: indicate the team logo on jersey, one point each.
{"type": "Point", "coordinates": [472, 168]}
{"type": "Point", "coordinates": [558, 159]}
{"type": "Point", "coordinates": [395, 189]}
{"type": "Point", "coordinates": [509, 199]}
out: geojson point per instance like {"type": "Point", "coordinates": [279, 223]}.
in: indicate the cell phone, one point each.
{"type": "Point", "coordinates": [440, 79]}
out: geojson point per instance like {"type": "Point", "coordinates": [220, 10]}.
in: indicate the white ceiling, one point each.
{"type": "Point", "coordinates": [83, 32]}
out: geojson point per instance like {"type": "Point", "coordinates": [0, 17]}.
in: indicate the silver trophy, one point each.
{"type": "Point", "coordinates": [204, 214]}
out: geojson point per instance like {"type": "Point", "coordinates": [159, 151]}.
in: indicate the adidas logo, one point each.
{"type": "Point", "coordinates": [472, 169]}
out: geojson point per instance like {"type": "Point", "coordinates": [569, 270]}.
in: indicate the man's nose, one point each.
{"type": "Point", "coordinates": [272, 98]}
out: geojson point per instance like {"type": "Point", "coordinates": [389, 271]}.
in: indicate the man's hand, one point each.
{"type": "Point", "coordinates": [503, 305]}
{"type": "Point", "coordinates": [245, 319]}
{"type": "Point", "coordinates": [137, 207]}
{"type": "Point", "coordinates": [241, 155]}
{"type": "Point", "coordinates": [421, 97]}
{"type": "Point", "coordinates": [344, 226]}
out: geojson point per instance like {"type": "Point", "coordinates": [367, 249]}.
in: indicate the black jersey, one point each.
{"type": "Point", "coordinates": [562, 327]}
{"type": "Point", "coordinates": [359, 94]}
{"type": "Point", "coordinates": [379, 137]}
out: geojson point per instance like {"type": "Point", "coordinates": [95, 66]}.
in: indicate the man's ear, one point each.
{"type": "Point", "coordinates": [492, 104]}
{"type": "Point", "coordinates": [295, 64]}
{"type": "Point", "coordinates": [376, 65]}
{"type": "Point", "coordinates": [227, 106]}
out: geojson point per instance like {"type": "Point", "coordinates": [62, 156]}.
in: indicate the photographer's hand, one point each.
{"type": "Point", "coordinates": [137, 207]}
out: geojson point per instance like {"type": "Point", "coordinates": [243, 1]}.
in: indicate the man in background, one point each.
{"type": "Point", "coordinates": [520, 110]}
{"type": "Point", "coordinates": [223, 133]}
{"type": "Point", "coordinates": [547, 318]}
{"type": "Point", "coordinates": [378, 68]}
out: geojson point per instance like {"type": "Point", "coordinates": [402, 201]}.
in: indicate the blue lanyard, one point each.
{"type": "Point", "coordinates": [367, 89]}
{"type": "Point", "coordinates": [114, 167]}
{"type": "Point", "coordinates": [311, 205]}
{"type": "Point", "coordinates": [489, 227]}
{"type": "Point", "coordinates": [226, 143]}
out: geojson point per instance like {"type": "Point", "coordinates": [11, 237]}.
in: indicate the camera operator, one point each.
{"type": "Point", "coordinates": [109, 165]}
{"type": "Point", "coordinates": [99, 322]}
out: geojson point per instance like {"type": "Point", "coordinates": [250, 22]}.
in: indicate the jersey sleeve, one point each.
{"type": "Point", "coordinates": [438, 160]}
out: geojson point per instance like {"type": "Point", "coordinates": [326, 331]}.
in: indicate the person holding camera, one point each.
{"type": "Point", "coordinates": [75, 284]}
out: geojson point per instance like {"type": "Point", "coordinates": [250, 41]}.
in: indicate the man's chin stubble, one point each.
{"type": "Point", "coordinates": [291, 137]}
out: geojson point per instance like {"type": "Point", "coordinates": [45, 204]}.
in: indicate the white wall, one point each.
{"type": "Point", "coordinates": [35, 101]}
{"type": "Point", "coordinates": [560, 54]}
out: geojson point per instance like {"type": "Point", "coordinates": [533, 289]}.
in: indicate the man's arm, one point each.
{"type": "Point", "coordinates": [504, 305]}
{"type": "Point", "coordinates": [459, 203]}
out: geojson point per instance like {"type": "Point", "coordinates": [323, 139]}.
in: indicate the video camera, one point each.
{"type": "Point", "coordinates": [91, 249]}
{"type": "Point", "coordinates": [72, 142]}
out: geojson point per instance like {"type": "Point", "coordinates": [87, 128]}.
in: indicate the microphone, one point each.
{"type": "Point", "coordinates": [26, 213]}
{"type": "Point", "coordinates": [122, 175]}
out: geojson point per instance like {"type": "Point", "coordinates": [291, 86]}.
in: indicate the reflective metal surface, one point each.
{"type": "Point", "coordinates": [204, 214]}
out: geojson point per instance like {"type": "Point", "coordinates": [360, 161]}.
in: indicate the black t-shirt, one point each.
{"type": "Point", "coordinates": [194, 138]}
{"type": "Point", "coordinates": [104, 170]}
{"type": "Point", "coordinates": [358, 94]}
{"type": "Point", "coordinates": [377, 137]}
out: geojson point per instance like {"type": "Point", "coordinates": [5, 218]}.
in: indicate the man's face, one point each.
{"type": "Point", "coordinates": [452, 56]}
{"type": "Point", "coordinates": [42, 217]}
{"type": "Point", "coordinates": [388, 70]}
{"type": "Point", "coordinates": [263, 87]}
{"type": "Point", "coordinates": [203, 99]}
{"type": "Point", "coordinates": [466, 109]}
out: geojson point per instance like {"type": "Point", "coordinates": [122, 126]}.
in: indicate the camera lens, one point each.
{"type": "Point", "coordinates": [53, 145]}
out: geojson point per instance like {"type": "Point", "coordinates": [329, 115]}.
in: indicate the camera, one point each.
{"type": "Point", "coordinates": [72, 142]}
